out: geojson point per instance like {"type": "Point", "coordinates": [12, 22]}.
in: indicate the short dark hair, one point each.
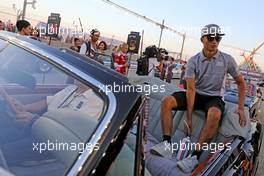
{"type": "Point", "coordinates": [105, 45]}
{"type": "Point", "coordinates": [20, 24]}
{"type": "Point", "coordinates": [75, 39]}
{"type": "Point", "coordinates": [93, 31]}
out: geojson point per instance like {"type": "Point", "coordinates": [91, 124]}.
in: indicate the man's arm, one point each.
{"type": "Point", "coordinates": [241, 85]}
{"type": "Point", "coordinates": [233, 70]}
{"type": "Point", "coordinates": [17, 107]}
{"type": "Point", "coordinates": [36, 106]}
{"type": "Point", "coordinates": [241, 98]}
{"type": "Point", "coordinates": [190, 95]}
{"type": "Point", "coordinates": [189, 77]}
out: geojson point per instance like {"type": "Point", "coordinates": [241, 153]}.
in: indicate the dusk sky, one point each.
{"type": "Point", "coordinates": [242, 20]}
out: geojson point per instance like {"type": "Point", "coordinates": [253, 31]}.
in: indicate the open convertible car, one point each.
{"type": "Point", "coordinates": [75, 119]}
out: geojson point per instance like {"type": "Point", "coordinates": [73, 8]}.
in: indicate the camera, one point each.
{"type": "Point", "coordinates": [143, 61]}
{"type": "Point", "coordinates": [162, 55]}
{"type": "Point", "coordinates": [150, 52]}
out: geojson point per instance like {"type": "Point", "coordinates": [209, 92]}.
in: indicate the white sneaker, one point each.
{"type": "Point", "coordinates": [188, 164]}
{"type": "Point", "coordinates": [162, 149]}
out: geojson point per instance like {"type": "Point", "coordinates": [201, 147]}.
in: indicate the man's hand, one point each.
{"type": "Point", "coordinates": [24, 118]}
{"type": "Point", "coordinates": [126, 65]}
{"type": "Point", "coordinates": [242, 118]}
{"type": "Point", "coordinates": [15, 105]}
{"type": "Point", "coordinates": [19, 107]}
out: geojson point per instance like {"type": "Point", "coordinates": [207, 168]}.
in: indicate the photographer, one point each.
{"type": "Point", "coordinates": [171, 65]}
{"type": "Point", "coordinates": [182, 80]}
{"type": "Point", "coordinates": [148, 62]}
{"type": "Point", "coordinates": [166, 65]}
{"type": "Point", "coordinates": [152, 53]}
{"type": "Point", "coordinates": [156, 62]}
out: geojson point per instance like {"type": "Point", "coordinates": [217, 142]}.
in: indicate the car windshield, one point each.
{"type": "Point", "coordinates": [47, 116]}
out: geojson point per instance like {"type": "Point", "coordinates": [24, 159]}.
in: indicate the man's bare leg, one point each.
{"type": "Point", "coordinates": [167, 104]}
{"type": "Point", "coordinates": [210, 128]}
{"type": "Point", "coordinates": [163, 148]}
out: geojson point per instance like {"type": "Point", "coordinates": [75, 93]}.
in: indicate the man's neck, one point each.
{"type": "Point", "coordinates": [92, 42]}
{"type": "Point", "coordinates": [209, 54]}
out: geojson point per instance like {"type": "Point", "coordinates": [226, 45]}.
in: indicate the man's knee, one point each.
{"type": "Point", "coordinates": [214, 115]}
{"type": "Point", "coordinates": [169, 102]}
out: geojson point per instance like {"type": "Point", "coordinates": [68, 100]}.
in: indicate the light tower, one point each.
{"type": "Point", "coordinates": [26, 2]}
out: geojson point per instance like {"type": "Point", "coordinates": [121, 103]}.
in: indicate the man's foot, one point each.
{"type": "Point", "coordinates": [162, 149]}
{"type": "Point", "coordinates": [188, 164]}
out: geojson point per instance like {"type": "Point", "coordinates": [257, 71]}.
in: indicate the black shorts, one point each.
{"type": "Point", "coordinates": [201, 102]}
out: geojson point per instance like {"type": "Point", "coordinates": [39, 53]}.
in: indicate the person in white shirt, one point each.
{"type": "Point", "coordinates": [153, 63]}
{"type": "Point", "coordinates": [90, 48]}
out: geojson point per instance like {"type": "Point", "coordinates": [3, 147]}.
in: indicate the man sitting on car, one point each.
{"type": "Point", "coordinates": [205, 76]}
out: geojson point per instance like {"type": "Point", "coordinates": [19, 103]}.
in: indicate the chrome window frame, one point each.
{"type": "Point", "coordinates": [106, 119]}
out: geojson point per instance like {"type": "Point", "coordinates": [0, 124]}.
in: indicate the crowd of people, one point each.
{"type": "Point", "coordinates": [7, 26]}
{"type": "Point", "coordinates": [22, 27]}
{"type": "Point", "coordinates": [96, 49]}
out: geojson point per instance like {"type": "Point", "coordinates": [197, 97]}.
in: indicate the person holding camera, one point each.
{"type": "Point", "coordinates": [170, 62]}
{"type": "Point", "coordinates": [182, 80]}
{"type": "Point", "coordinates": [147, 64]}
{"type": "Point", "coordinates": [166, 65]}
